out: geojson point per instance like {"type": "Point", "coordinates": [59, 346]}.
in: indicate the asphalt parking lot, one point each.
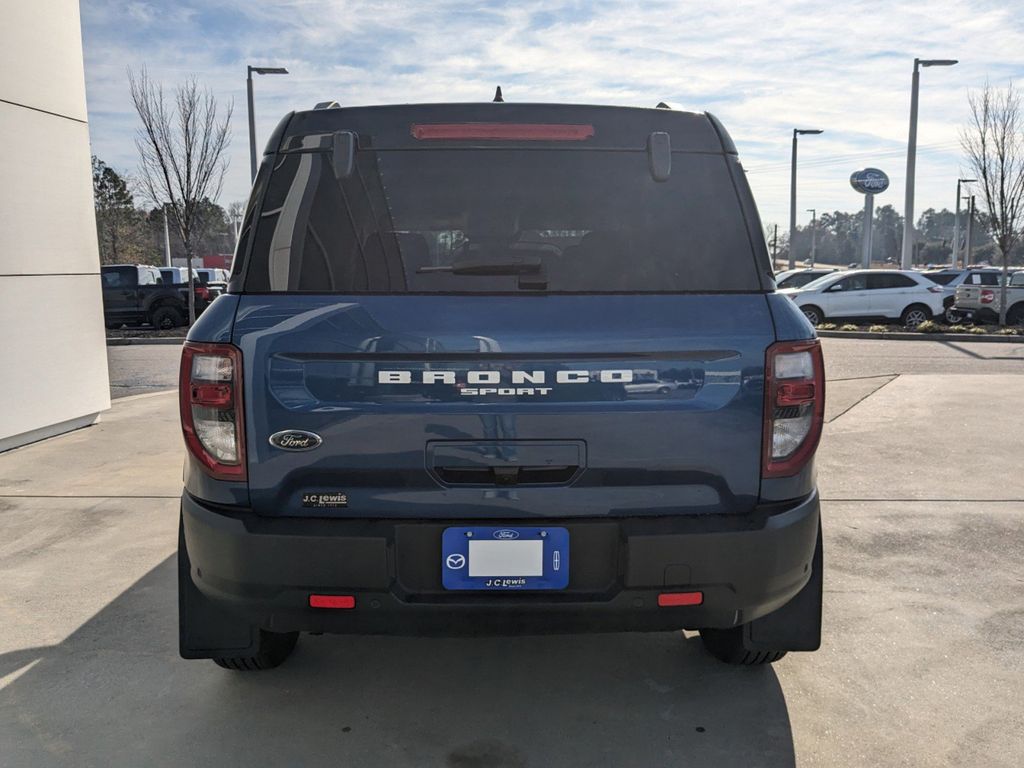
{"type": "Point", "coordinates": [921, 661]}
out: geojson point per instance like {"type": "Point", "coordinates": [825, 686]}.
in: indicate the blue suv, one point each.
{"type": "Point", "coordinates": [423, 405]}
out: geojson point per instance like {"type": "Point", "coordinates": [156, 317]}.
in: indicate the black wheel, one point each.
{"type": "Point", "coordinates": [166, 318]}
{"type": "Point", "coordinates": [664, 390]}
{"type": "Point", "coordinates": [274, 648]}
{"type": "Point", "coordinates": [1016, 315]}
{"type": "Point", "coordinates": [813, 314]}
{"type": "Point", "coordinates": [951, 316]}
{"type": "Point", "coordinates": [727, 645]}
{"type": "Point", "coordinates": [914, 315]}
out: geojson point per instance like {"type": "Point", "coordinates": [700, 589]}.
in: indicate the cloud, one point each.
{"type": "Point", "coordinates": [763, 68]}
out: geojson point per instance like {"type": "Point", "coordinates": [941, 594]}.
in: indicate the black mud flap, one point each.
{"type": "Point", "coordinates": [206, 631]}
{"type": "Point", "coordinates": [796, 626]}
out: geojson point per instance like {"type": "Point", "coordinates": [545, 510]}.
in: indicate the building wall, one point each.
{"type": "Point", "coordinates": [54, 372]}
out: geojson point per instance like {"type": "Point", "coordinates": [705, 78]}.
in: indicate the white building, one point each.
{"type": "Point", "coordinates": [53, 374]}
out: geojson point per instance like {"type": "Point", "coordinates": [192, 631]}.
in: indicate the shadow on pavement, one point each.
{"type": "Point", "coordinates": [115, 693]}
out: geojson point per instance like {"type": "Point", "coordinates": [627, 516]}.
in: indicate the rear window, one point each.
{"type": "Point", "coordinates": [800, 279]}
{"type": "Point", "coordinates": [941, 278]}
{"type": "Point", "coordinates": [500, 220]}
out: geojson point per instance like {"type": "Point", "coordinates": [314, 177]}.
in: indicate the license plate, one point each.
{"type": "Point", "coordinates": [505, 558]}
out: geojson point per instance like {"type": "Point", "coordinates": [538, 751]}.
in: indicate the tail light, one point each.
{"type": "Point", "coordinates": [934, 289]}
{"type": "Point", "coordinates": [794, 407]}
{"type": "Point", "coordinates": [987, 296]}
{"type": "Point", "coordinates": [202, 292]}
{"type": "Point", "coordinates": [210, 395]}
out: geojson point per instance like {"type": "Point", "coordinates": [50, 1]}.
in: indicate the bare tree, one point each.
{"type": "Point", "coordinates": [182, 145]}
{"type": "Point", "coordinates": [236, 212]}
{"type": "Point", "coordinates": [993, 141]}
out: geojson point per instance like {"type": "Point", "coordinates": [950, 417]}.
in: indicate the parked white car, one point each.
{"type": "Point", "coordinates": [864, 293]}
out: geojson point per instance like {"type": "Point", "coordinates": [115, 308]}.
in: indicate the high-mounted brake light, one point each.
{"type": "Point", "coordinates": [794, 406]}
{"type": "Point", "coordinates": [501, 131]}
{"type": "Point", "coordinates": [210, 398]}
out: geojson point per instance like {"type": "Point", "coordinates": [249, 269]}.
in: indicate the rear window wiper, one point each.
{"type": "Point", "coordinates": [489, 268]}
{"type": "Point", "coordinates": [530, 270]}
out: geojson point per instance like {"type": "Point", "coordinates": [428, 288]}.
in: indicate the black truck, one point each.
{"type": "Point", "coordinates": [134, 294]}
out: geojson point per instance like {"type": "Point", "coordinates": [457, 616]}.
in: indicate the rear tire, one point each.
{"type": "Point", "coordinates": [167, 317]}
{"type": "Point", "coordinates": [274, 648]}
{"type": "Point", "coordinates": [727, 645]}
{"type": "Point", "coordinates": [914, 315]}
{"type": "Point", "coordinates": [1016, 315]}
{"type": "Point", "coordinates": [813, 314]}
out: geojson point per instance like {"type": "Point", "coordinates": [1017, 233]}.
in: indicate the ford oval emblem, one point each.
{"type": "Point", "coordinates": [506, 534]}
{"type": "Point", "coordinates": [295, 440]}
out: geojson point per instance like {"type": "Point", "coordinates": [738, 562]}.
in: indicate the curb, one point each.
{"type": "Point", "coordinates": [905, 336]}
{"type": "Point", "coordinates": [113, 342]}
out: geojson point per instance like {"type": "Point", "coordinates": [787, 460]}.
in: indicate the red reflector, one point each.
{"type": "Point", "coordinates": [502, 131]}
{"type": "Point", "coordinates": [795, 393]}
{"type": "Point", "coordinates": [332, 601]}
{"type": "Point", "coordinates": [671, 599]}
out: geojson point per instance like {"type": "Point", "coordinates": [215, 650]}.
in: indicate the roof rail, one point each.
{"type": "Point", "coordinates": [328, 105]}
{"type": "Point", "coordinates": [669, 105]}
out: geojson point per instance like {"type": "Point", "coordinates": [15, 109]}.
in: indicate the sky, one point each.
{"type": "Point", "coordinates": [763, 68]}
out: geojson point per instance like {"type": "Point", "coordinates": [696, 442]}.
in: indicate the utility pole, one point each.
{"type": "Point", "coordinates": [814, 233]}
{"type": "Point", "coordinates": [907, 254]}
{"type": "Point", "coordinates": [792, 193]}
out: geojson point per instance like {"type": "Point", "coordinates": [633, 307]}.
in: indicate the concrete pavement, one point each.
{"type": "Point", "coordinates": [921, 661]}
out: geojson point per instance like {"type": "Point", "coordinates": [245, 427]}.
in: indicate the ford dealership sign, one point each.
{"type": "Point", "coordinates": [870, 181]}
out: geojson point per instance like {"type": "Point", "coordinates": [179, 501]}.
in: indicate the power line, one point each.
{"type": "Point", "coordinates": [819, 162]}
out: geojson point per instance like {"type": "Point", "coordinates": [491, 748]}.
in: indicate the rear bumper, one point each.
{"type": "Point", "coordinates": [264, 570]}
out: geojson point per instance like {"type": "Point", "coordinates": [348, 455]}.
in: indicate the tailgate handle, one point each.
{"type": "Point", "coordinates": [505, 462]}
{"type": "Point", "coordinates": [506, 475]}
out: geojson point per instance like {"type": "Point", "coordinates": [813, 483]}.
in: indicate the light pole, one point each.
{"type": "Point", "coordinates": [906, 260]}
{"type": "Point", "coordinates": [814, 232]}
{"type": "Point", "coordinates": [970, 227]}
{"type": "Point", "coordinates": [167, 239]}
{"type": "Point", "coordinates": [956, 224]}
{"type": "Point", "coordinates": [792, 193]}
{"type": "Point", "coordinates": [252, 121]}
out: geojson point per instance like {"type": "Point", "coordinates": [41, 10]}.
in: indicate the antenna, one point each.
{"type": "Point", "coordinates": [497, 95]}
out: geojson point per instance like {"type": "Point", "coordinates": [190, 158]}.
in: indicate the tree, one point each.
{"type": "Point", "coordinates": [120, 229]}
{"type": "Point", "coordinates": [993, 142]}
{"type": "Point", "coordinates": [236, 213]}
{"type": "Point", "coordinates": [182, 146]}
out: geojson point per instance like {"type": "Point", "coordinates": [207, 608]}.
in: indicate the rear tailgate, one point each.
{"type": "Point", "coordinates": [531, 406]}
{"type": "Point", "coordinates": [970, 296]}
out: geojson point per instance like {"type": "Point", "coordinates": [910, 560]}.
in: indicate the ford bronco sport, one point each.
{"type": "Point", "coordinates": [417, 410]}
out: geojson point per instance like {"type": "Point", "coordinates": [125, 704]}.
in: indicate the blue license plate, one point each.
{"type": "Point", "coordinates": [505, 558]}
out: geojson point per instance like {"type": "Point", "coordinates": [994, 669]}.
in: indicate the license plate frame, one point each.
{"type": "Point", "coordinates": [457, 558]}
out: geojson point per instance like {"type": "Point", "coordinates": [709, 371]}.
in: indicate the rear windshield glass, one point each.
{"type": "Point", "coordinates": [500, 220]}
{"type": "Point", "coordinates": [942, 278]}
